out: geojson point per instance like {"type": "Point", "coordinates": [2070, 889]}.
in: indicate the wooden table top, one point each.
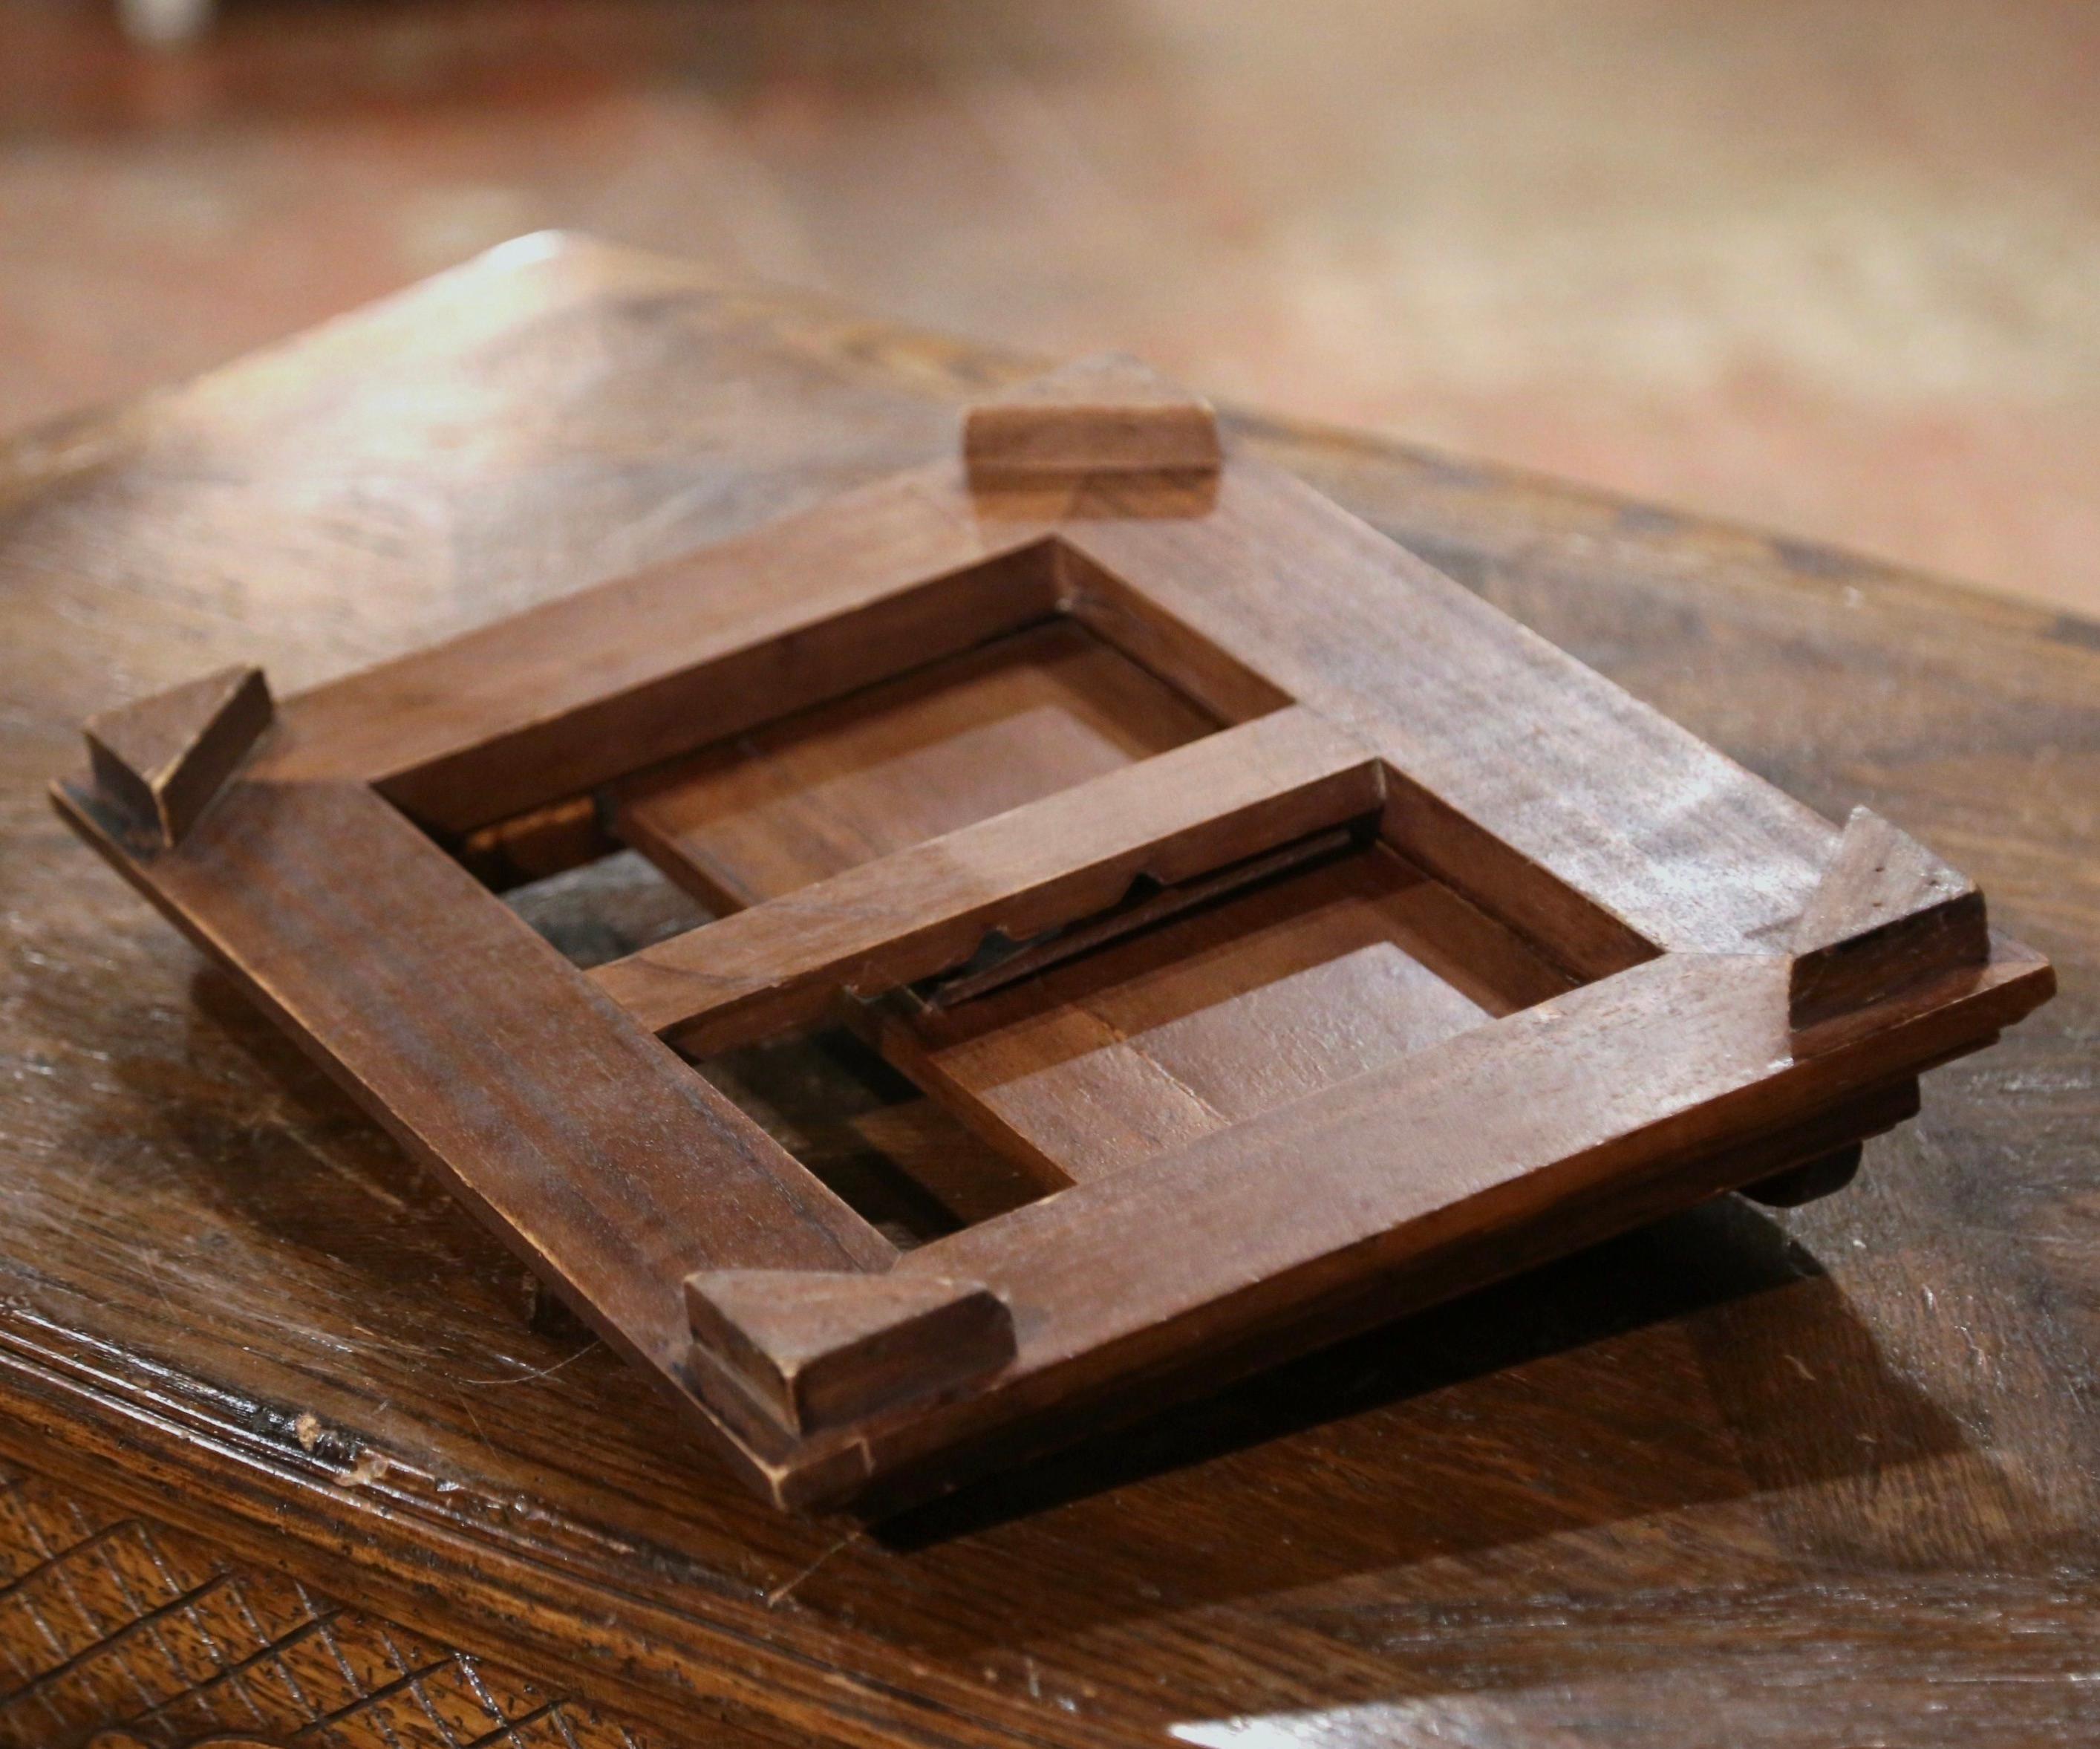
{"type": "Point", "coordinates": [1824, 1477]}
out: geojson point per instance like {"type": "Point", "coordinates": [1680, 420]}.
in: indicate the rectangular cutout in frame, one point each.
{"type": "Point", "coordinates": [1262, 995]}
{"type": "Point", "coordinates": [914, 758]}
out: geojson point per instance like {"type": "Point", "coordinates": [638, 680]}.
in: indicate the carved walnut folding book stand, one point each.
{"type": "Point", "coordinates": [1313, 939]}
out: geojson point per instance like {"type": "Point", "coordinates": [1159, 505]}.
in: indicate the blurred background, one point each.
{"type": "Point", "coordinates": [1832, 268]}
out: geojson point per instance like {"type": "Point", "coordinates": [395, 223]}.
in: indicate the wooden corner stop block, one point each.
{"type": "Point", "coordinates": [818, 1349]}
{"type": "Point", "coordinates": [159, 761]}
{"type": "Point", "coordinates": [1106, 415]}
{"type": "Point", "coordinates": [1888, 916]}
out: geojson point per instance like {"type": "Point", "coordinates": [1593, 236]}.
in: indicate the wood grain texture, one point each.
{"type": "Point", "coordinates": [814, 1350]}
{"type": "Point", "coordinates": [948, 745]}
{"type": "Point", "coordinates": [1601, 794]}
{"type": "Point", "coordinates": [1818, 1478]}
{"type": "Point", "coordinates": [582, 690]}
{"type": "Point", "coordinates": [1145, 1044]}
{"type": "Point", "coordinates": [1500, 1146]}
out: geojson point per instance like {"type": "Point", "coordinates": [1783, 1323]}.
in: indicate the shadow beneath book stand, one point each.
{"type": "Point", "coordinates": [1707, 1358]}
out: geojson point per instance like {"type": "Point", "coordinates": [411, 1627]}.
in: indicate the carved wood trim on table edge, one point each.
{"type": "Point", "coordinates": [118, 1632]}
{"type": "Point", "coordinates": [382, 1530]}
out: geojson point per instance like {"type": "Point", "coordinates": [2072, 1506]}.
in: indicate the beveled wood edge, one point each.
{"type": "Point", "coordinates": [1887, 915]}
{"type": "Point", "coordinates": [1110, 412]}
{"type": "Point", "coordinates": [810, 1349]}
{"type": "Point", "coordinates": [161, 760]}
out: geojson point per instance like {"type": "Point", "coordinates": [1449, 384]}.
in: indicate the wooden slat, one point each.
{"type": "Point", "coordinates": [592, 685]}
{"type": "Point", "coordinates": [810, 1349]}
{"type": "Point", "coordinates": [927, 908]}
{"type": "Point", "coordinates": [1499, 736]}
{"type": "Point", "coordinates": [604, 1161]}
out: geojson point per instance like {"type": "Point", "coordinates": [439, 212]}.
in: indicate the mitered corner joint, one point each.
{"type": "Point", "coordinates": [158, 762]}
{"type": "Point", "coordinates": [1888, 917]}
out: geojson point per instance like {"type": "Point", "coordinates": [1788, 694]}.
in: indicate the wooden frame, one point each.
{"type": "Point", "coordinates": [1743, 990]}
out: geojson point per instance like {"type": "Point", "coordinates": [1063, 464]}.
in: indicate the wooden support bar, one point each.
{"type": "Point", "coordinates": [1888, 916]}
{"type": "Point", "coordinates": [159, 761]}
{"type": "Point", "coordinates": [928, 907]}
{"type": "Point", "coordinates": [1235, 1008]}
{"type": "Point", "coordinates": [586, 688]}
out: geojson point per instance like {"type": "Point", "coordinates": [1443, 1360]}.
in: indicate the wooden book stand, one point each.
{"type": "Point", "coordinates": [1312, 939]}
